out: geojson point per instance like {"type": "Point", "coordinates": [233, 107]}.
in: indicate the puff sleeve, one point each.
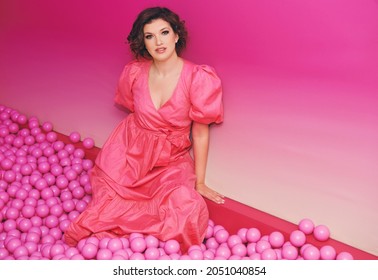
{"type": "Point", "coordinates": [124, 91]}
{"type": "Point", "coordinates": [206, 96]}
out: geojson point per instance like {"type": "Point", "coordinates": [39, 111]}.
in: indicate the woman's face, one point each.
{"type": "Point", "coordinates": [160, 40]}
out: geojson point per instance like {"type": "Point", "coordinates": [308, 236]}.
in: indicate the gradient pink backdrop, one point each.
{"type": "Point", "coordinates": [300, 89]}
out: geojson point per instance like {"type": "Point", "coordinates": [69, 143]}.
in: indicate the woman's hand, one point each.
{"type": "Point", "coordinates": [209, 193]}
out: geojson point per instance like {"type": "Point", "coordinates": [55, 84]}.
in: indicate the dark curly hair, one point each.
{"type": "Point", "coordinates": [136, 36]}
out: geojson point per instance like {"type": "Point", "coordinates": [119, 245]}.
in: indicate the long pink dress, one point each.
{"type": "Point", "coordinates": [143, 179]}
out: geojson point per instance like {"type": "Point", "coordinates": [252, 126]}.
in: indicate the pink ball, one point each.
{"type": "Point", "coordinates": [223, 251]}
{"type": "Point", "coordinates": [306, 225]}
{"type": "Point", "coordinates": [51, 221]}
{"type": "Point", "coordinates": [56, 249]}
{"type": "Point", "coordinates": [311, 253]}
{"type": "Point", "coordinates": [321, 233]}
{"type": "Point", "coordinates": [93, 239]}
{"type": "Point", "coordinates": [344, 256]}
{"type": "Point", "coordinates": [123, 253]}
{"type": "Point", "coordinates": [75, 137]}
{"type": "Point", "coordinates": [327, 252]}
{"type": "Point", "coordinates": [103, 243]}
{"type": "Point", "coordinates": [88, 143]}
{"type": "Point", "coordinates": [221, 235]}
{"type": "Point", "coordinates": [234, 240]}
{"type": "Point", "coordinates": [253, 235]}
{"type": "Point", "coordinates": [262, 245]}
{"type": "Point", "coordinates": [77, 257]}
{"type": "Point", "coordinates": [114, 244]}
{"type": "Point", "coordinates": [89, 251]}
{"type": "Point", "coordinates": [251, 248]}
{"type": "Point", "coordinates": [104, 254]}
{"type": "Point", "coordinates": [276, 239]}
{"type": "Point", "coordinates": [12, 244]}
{"type": "Point", "coordinates": [196, 254]}
{"type": "Point", "coordinates": [289, 252]}
{"type": "Point", "coordinates": [71, 252]}
{"type": "Point", "coordinates": [137, 256]}
{"type": "Point", "coordinates": [243, 234]}
{"type": "Point", "coordinates": [12, 213]}
{"type": "Point", "coordinates": [208, 255]}
{"type": "Point", "coordinates": [269, 254]}
{"type": "Point", "coordinates": [211, 243]}
{"type": "Point", "coordinates": [152, 241]}
{"type": "Point", "coordinates": [209, 232]}
{"type": "Point", "coordinates": [239, 250]}
{"type": "Point", "coordinates": [32, 247]}
{"type": "Point", "coordinates": [68, 205]}
{"type": "Point", "coordinates": [152, 253]}
{"type": "Point", "coordinates": [171, 247]}
{"type": "Point", "coordinates": [42, 210]}
{"type": "Point", "coordinates": [20, 251]}
{"type": "Point", "coordinates": [297, 238]}
{"type": "Point", "coordinates": [47, 126]}
{"type": "Point", "coordinates": [138, 245]}
{"type": "Point", "coordinates": [25, 225]}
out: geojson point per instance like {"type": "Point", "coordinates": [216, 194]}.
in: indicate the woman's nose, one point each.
{"type": "Point", "coordinates": [159, 41]}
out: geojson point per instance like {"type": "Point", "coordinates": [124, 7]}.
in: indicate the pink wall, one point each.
{"type": "Point", "coordinates": [300, 89]}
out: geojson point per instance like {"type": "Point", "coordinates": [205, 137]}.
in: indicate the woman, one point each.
{"type": "Point", "coordinates": [145, 179]}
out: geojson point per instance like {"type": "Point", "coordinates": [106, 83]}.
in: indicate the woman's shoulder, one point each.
{"type": "Point", "coordinates": [199, 72]}
{"type": "Point", "coordinates": [136, 65]}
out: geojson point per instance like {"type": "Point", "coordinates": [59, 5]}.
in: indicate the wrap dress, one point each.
{"type": "Point", "coordinates": [143, 179]}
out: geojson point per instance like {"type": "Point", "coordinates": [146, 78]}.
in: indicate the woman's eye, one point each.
{"type": "Point", "coordinates": [148, 37]}
{"type": "Point", "coordinates": [165, 32]}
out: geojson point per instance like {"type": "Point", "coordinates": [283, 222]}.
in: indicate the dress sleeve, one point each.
{"type": "Point", "coordinates": [206, 96]}
{"type": "Point", "coordinates": [124, 92]}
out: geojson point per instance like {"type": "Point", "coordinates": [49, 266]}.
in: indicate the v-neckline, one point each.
{"type": "Point", "coordinates": [174, 90]}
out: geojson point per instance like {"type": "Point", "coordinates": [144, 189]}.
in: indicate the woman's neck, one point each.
{"type": "Point", "coordinates": [166, 67]}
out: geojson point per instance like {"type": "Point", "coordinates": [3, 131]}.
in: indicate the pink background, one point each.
{"type": "Point", "coordinates": [300, 89]}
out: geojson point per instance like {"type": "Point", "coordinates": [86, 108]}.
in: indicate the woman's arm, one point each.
{"type": "Point", "coordinates": [200, 134]}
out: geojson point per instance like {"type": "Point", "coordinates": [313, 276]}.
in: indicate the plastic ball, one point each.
{"type": "Point", "coordinates": [89, 251]}
{"type": "Point", "coordinates": [152, 253]}
{"type": "Point", "coordinates": [75, 137]}
{"type": "Point", "coordinates": [239, 250]}
{"type": "Point", "coordinates": [269, 254]}
{"type": "Point", "coordinates": [242, 233]}
{"type": "Point", "coordinates": [171, 246]}
{"type": "Point", "coordinates": [88, 143]}
{"type": "Point", "coordinates": [212, 243]}
{"type": "Point", "coordinates": [104, 254]}
{"type": "Point", "coordinates": [306, 225]}
{"type": "Point", "coordinates": [297, 238]}
{"type": "Point", "coordinates": [344, 256]}
{"type": "Point", "coordinates": [327, 252]}
{"type": "Point", "coordinates": [233, 240]}
{"type": "Point", "coordinates": [138, 245]}
{"type": "Point", "coordinates": [209, 232]}
{"type": "Point", "coordinates": [196, 254]}
{"type": "Point", "coordinates": [253, 235]}
{"type": "Point", "coordinates": [221, 235]}
{"type": "Point", "coordinates": [321, 233]}
{"type": "Point", "coordinates": [152, 241]}
{"type": "Point", "coordinates": [20, 251]}
{"type": "Point", "coordinates": [289, 252]}
{"type": "Point", "coordinates": [223, 251]}
{"type": "Point", "coordinates": [276, 239]}
{"type": "Point", "coordinates": [137, 256]}
{"type": "Point", "coordinates": [114, 244]}
{"type": "Point", "coordinates": [262, 245]}
{"type": "Point", "coordinates": [311, 253]}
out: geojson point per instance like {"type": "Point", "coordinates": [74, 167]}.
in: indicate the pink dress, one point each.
{"type": "Point", "coordinates": [143, 179]}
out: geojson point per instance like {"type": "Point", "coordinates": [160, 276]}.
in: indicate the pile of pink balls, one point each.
{"type": "Point", "coordinates": [44, 185]}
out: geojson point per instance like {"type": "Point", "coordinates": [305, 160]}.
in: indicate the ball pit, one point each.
{"type": "Point", "coordinates": [44, 185]}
